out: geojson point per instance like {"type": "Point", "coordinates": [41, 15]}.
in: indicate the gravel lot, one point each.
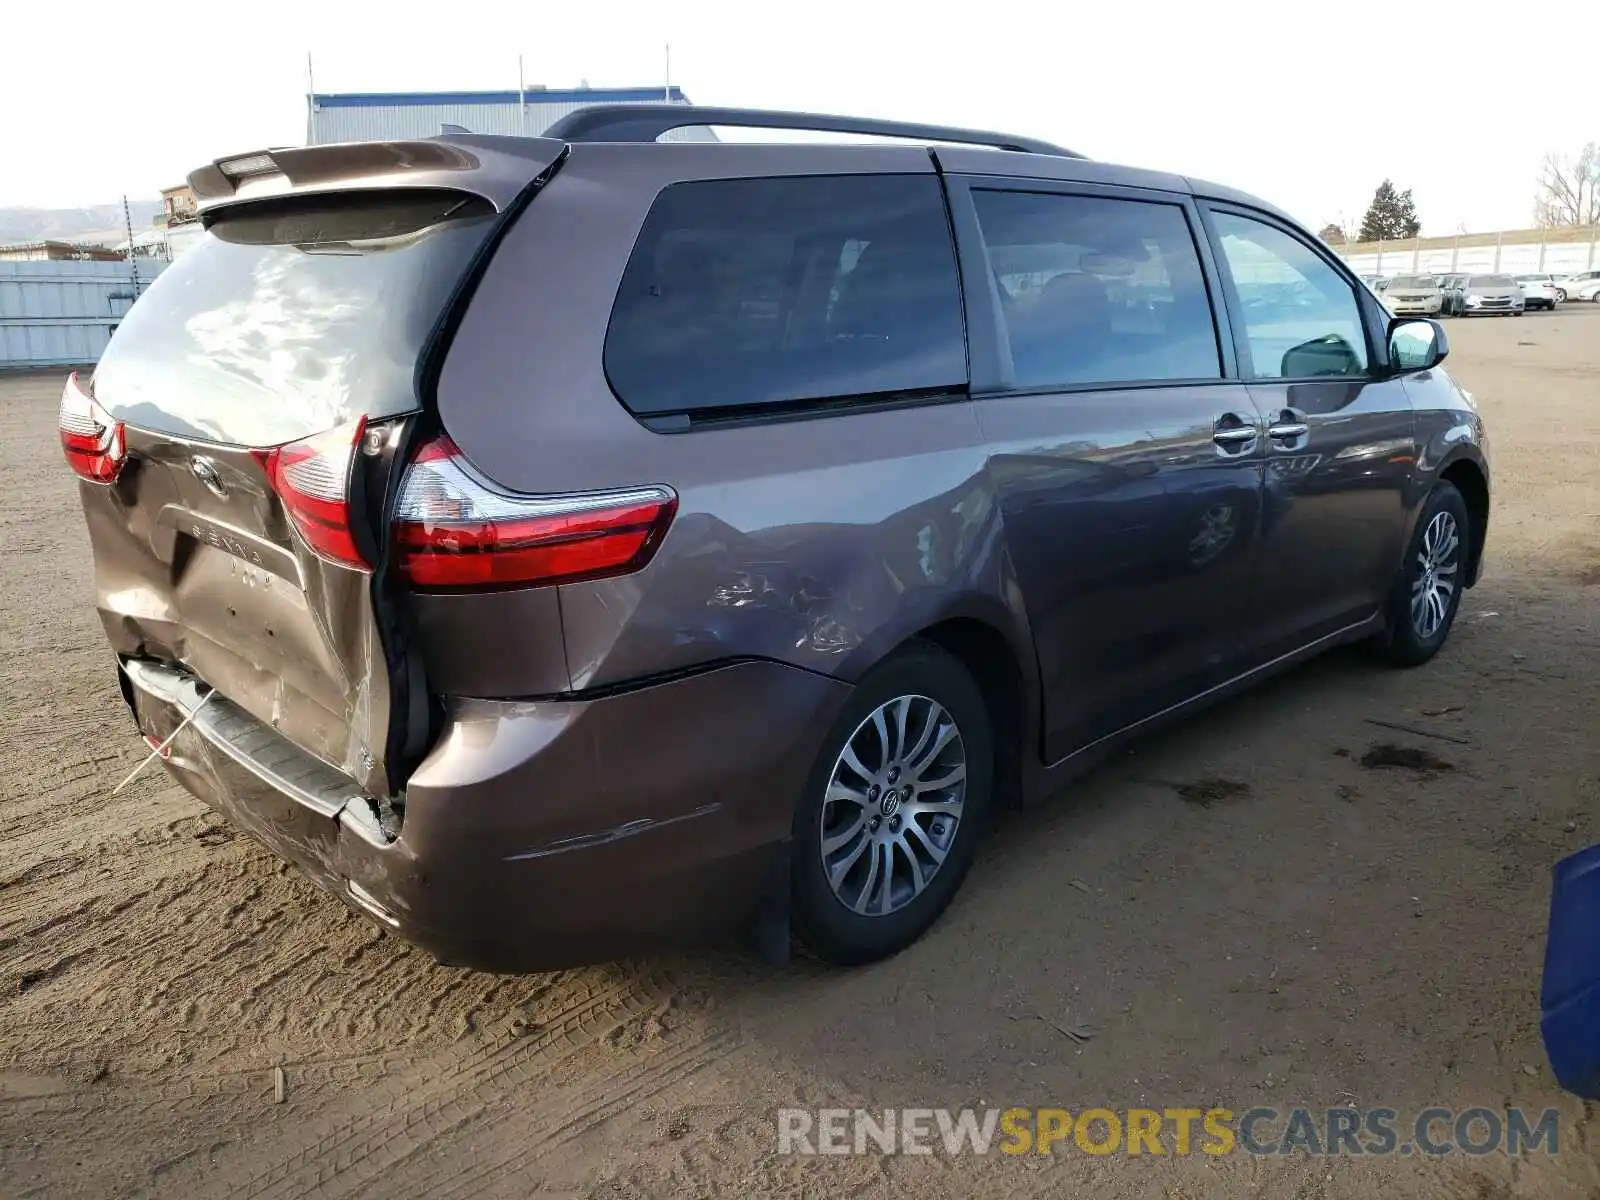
{"type": "Point", "coordinates": [1328, 934]}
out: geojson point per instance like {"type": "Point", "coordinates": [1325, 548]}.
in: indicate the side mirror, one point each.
{"type": "Point", "coordinates": [1416, 345]}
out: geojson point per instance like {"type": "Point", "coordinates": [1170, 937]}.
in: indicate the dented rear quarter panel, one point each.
{"type": "Point", "coordinates": [821, 542]}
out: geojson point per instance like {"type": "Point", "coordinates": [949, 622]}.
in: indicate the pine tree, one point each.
{"type": "Point", "coordinates": [1332, 234]}
{"type": "Point", "coordinates": [1410, 223]}
{"type": "Point", "coordinates": [1391, 216]}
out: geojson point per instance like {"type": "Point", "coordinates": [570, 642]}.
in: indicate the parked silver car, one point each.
{"type": "Point", "coordinates": [1499, 294]}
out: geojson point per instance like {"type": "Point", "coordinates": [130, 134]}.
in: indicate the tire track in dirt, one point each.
{"type": "Point", "coordinates": [366, 1134]}
{"type": "Point", "coordinates": [629, 1054]}
{"type": "Point", "coordinates": [517, 1139]}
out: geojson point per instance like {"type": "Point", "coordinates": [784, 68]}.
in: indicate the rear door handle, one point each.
{"type": "Point", "coordinates": [1233, 435]}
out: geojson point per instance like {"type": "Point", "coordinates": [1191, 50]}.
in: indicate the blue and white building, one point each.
{"type": "Point", "coordinates": [384, 116]}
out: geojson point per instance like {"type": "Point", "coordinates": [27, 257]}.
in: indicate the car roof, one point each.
{"type": "Point", "coordinates": [959, 160]}
{"type": "Point", "coordinates": [1004, 154]}
{"type": "Point", "coordinates": [497, 167]}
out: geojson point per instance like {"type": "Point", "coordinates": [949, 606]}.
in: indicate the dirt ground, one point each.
{"type": "Point", "coordinates": [1327, 934]}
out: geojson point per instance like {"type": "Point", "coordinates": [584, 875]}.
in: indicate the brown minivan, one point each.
{"type": "Point", "coordinates": [559, 546]}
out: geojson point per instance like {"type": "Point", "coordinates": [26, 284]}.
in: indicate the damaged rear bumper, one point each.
{"type": "Point", "coordinates": [259, 751]}
{"type": "Point", "coordinates": [535, 834]}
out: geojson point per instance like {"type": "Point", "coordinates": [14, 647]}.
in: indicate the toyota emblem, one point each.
{"type": "Point", "coordinates": [205, 471]}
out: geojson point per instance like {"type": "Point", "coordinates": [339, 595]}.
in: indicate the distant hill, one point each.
{"type": "Point", "coordinates": [74, 224]}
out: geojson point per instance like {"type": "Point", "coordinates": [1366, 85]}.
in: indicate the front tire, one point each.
{"type": "Point", "coordinates": [893, 808]}
{"type": "Point", "coordinates": [1427, 589]}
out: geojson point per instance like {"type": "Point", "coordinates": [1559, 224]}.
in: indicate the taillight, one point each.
{"type": "Point", "coordinates": [95, 444]}
{"type": "Point", "coordinates": [453, 530]}
{"type": "Point", "coordinates": [312, 478]}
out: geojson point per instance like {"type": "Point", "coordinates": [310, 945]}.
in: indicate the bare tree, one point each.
{"type": "Point", "coordinates": [1332, 234]}
{"type": "Point", "coordinates": [1568, 192]}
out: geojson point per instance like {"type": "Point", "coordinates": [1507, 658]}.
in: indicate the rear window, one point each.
{"type": "Point", "coordinates": [749, 293]}
{"type": "Point", "coordinates": [290, 317]}
{"type": "Point", "coordinates": [1097, 291]}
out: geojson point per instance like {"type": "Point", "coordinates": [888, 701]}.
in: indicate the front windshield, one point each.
{"type": "Point", "coordinates": [1414, 281]}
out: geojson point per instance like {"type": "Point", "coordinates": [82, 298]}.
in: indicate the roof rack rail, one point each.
{"type": "Point", "coordinates": [647, 122]}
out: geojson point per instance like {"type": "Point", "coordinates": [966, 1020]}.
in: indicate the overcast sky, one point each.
{"type": "Point", "coordinates": [1304, 105]}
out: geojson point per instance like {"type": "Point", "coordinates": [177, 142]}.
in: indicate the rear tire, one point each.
{"type": "Point", "coordinates": [878, 852]}
{"type": "Point", "coordinates": [1561, 296]}
{"type": "Point", "coordinates": [1427, 589]}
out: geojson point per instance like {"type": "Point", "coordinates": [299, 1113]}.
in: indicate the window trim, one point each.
{"type": "Point", "coordinates": [988, 348]}
{"type": "Point", "coordinates": [809, 408]}
{"type": "Point", "coordinates": [1377, 362]}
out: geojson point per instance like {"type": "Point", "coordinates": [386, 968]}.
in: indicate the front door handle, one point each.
{"type": "Point", "coordinates": [1289, 428]}
{"type": "Point", "coordinates": [1233, 437]}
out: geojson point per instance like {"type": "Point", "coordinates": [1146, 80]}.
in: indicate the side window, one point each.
{"type": "Point", "coordinates": [1300, 316]}
{"type": "Point", "coordinates": [1098, 291]}
{"type": "Point", "coordinates": [745, 292]}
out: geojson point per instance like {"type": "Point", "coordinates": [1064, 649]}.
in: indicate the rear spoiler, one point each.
{"type": "Point", "coordinates": [495, 168]}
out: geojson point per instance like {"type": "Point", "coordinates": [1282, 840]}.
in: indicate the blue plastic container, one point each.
{"type": "Point", "coordinates": [1570, 998]}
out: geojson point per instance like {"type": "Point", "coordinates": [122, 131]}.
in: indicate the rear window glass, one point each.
{"type": "Point", "coordinates": [290, 317]}
{"type": "Point", "coordinates": [754, 292]}
{"type": "Point", "coordinates": [1097, 291]}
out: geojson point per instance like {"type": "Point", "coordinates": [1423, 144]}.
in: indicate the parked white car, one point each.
{"type": "Point", "coordinates": [1414, 295]}
{"type": "Point", "coordinates": [1539, 291]}
{"type": "Point", "coordinates": [1584, 285]}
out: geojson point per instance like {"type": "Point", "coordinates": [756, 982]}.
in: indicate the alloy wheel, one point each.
{"type": "Point", "coordinates": [1433, 589]}
{"type": "Point", "coordinates": [893, 804]}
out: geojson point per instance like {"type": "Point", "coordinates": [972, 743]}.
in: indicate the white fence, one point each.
{"type": "Point", "coordinates": [63, 313]}
{"type": "Point", "coordinates": [1517, 254]}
